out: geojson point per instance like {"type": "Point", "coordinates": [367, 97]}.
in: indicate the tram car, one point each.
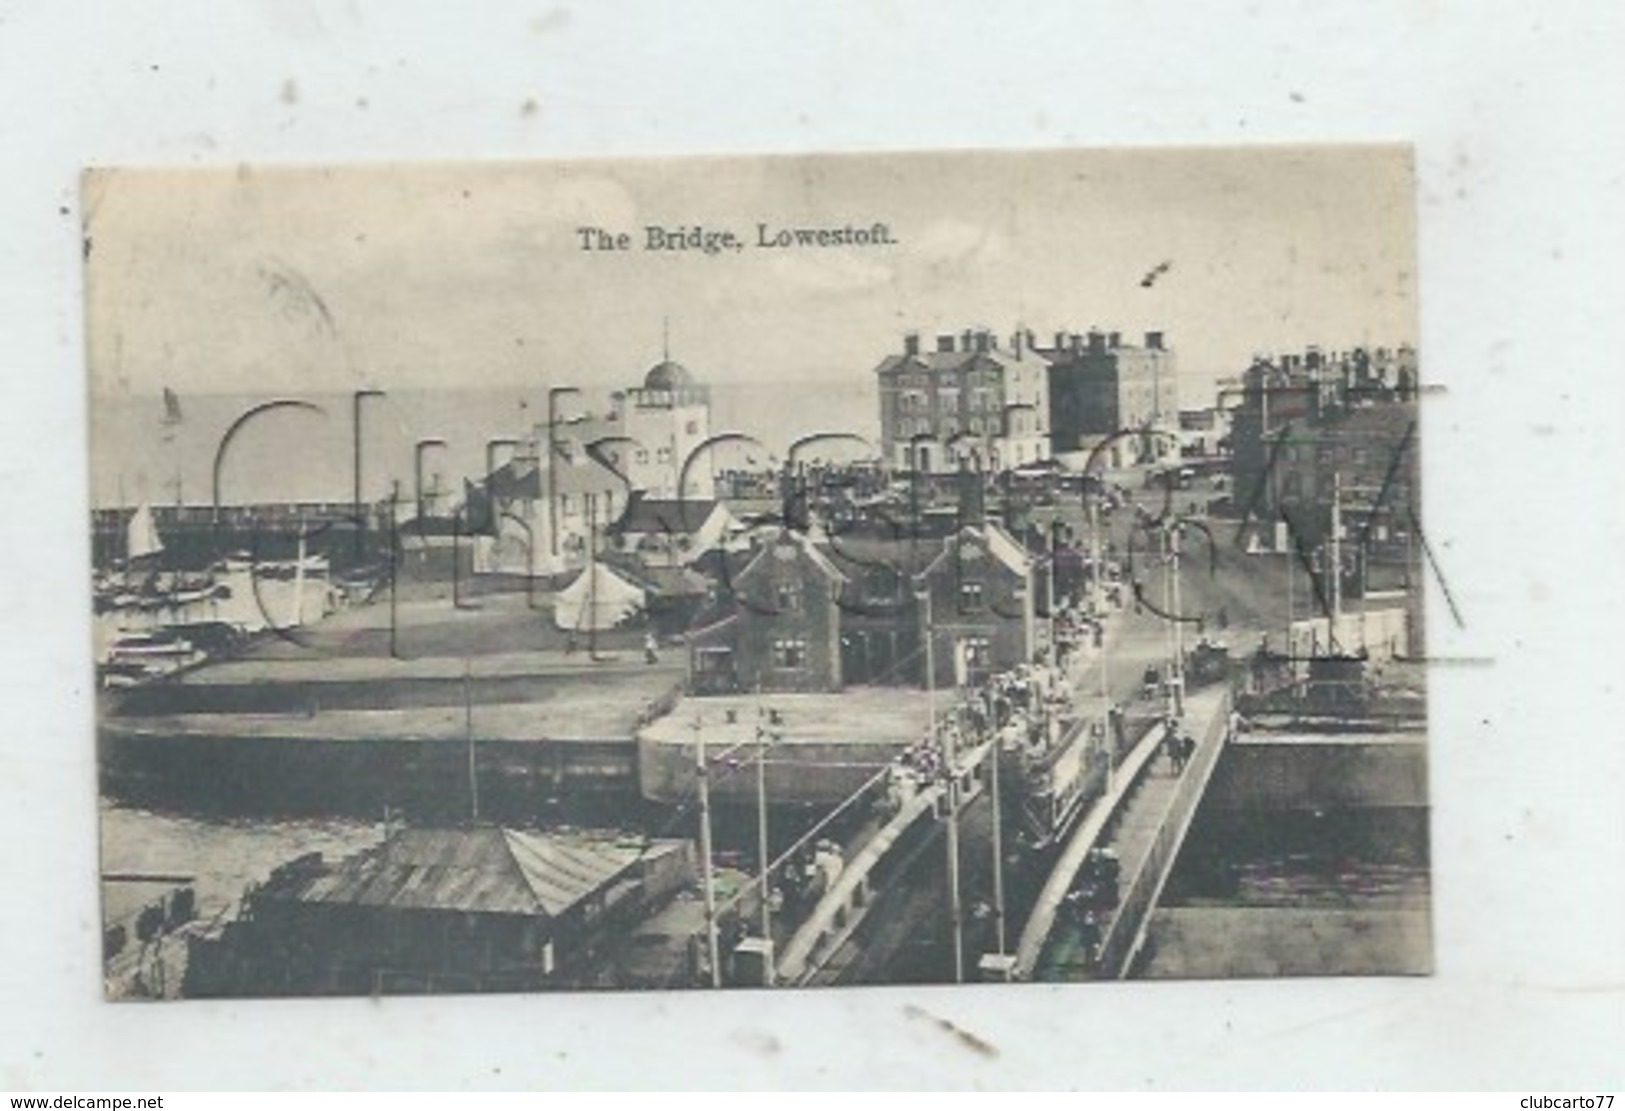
{"type": "Point", "coordinates": [1045, 790]}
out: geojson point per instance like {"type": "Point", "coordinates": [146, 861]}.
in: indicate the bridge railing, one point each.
{"type": "Point", "coordinates": [838, 914]}
{"type": "Point", "coordinates": [1127, 930]}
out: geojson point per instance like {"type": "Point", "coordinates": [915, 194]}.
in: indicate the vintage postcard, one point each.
{"type": "Point", "coordinates": [758, 572]}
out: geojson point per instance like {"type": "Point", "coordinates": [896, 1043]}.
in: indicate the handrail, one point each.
{"type": "Point", "coordinates": [1042, 918]}
{"type": "Point", "coordinates": [799, 950]}
{"type": "Point", "coordinates": [1126, 933]}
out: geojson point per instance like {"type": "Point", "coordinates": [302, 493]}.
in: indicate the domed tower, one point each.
{"type": "Point", "coordinates": [669, 417]}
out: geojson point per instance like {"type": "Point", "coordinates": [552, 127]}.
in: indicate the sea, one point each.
{"type": "Point", "coordinates": [301, 446]}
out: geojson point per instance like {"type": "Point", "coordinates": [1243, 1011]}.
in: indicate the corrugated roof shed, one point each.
{"type": "Point", "coordinates": [474, 871]}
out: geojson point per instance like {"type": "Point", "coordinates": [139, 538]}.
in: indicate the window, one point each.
{"type": "Point", "coordinates": [664, 455]}
{"type": "Point", "coordinates": [789, 597]}
{"type": "Point", "coordinates": [790, 655]}
{"type": "Point", "coordinates": [642, 455]}
{"type": "Point", "coordinates": [882, 585]}
{"type": "Point", "coordinates": [970, 597]}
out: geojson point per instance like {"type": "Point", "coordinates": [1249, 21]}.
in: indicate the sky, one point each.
{"type": "Point", "coordinates": [314, 281]}
{"type": "Point", "coordinates": [240, 279]}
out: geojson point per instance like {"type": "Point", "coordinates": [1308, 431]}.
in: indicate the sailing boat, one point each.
{"type": "Point", "coordinates": [141, 539]}
{"type": "Point", "coordinates": [142, 547]}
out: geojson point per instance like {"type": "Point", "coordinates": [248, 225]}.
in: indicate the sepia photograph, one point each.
{"type": "Point", "coordinates": [759, 571]}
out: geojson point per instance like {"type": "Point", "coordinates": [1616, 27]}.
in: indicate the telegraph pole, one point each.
{"type": "Point", "coordinates": [394, 564]}
{"type": "Point", "coordinates": [703, 773]}
{"type": "Point", "coordinates": [1098, 586]}
{"type": "Point", "coordinates": [998, 846]}
{"type": "Point", "coordinates": [468, 730]}
{"type": "Point", "coordinates": [761, 838]}
{"type": "Point", "coordinates": [951, 787]}
{"type": "Point", "coordinates": [1168, 613]}
{"type": "Point", "coordinates": [1178, 620]}
{"type": "Point", "coordinates": [1336, 555]}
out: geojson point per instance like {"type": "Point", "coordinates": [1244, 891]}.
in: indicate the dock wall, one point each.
{"type": "Point", "coordinates": [802, 773]}
{"type": "Point", "coordinates": [1342, 772]}
{"type": "Point", "coordinates": [417, 777]}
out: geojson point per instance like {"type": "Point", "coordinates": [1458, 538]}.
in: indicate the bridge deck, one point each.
{"type": "Point", "coordinates": [1142, 818]}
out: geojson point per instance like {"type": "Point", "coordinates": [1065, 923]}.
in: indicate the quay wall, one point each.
{"type": "Point", "coordinates": [303, 773]}
{"type": "Point", "coordinates": [802, 773]}
{"type": "Point", "coordinates": [309, 696]}
{"type": "Point", "coordinates": [1325, 773]}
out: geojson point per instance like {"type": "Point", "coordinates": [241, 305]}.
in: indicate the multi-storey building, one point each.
{"type": "Point", "coordinates": [1100, 386]}
{"type": "Point", "coordinates": [1309, 422]}
{"type": "Point", "coordinates": [970, 400]}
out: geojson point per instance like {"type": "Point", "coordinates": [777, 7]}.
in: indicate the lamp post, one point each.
{"type": "Point", "coordinates": [355, 442]}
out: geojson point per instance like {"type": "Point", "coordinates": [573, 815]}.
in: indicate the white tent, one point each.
{"type": "Point", "coordinates": [597, 599]}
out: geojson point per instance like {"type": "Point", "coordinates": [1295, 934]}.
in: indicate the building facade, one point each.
{"type": "Point", "coordinates": [971, 399]}
{"type": "Point", "coordinates": [979, 607]}
{"type": "Point", "coordinates": [808, 617]}
{"type": "Point", "coordinates": [1316, 425]}
{"type": "Point", "coordinates": [781, 631]}
{"type": "Point", "coordinates": [1100, 386]}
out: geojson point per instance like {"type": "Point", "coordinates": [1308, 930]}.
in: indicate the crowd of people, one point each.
{"type": "Point", "coordinates": [1024, 709]}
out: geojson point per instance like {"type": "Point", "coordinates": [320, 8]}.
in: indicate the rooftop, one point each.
{"type": "Point", "coordinates": [477, 871]}
{"type": "Point", "coordinates": [860, 715]}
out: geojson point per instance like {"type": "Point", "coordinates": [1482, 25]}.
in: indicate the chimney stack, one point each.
{"type": "Point", "coordinates": [965, 340]}
{"type": "Point", "coordinates": [1153, 340]}
{"type": "Point", "coordinates": [945, 343]}
{"type": "Point", "coordinates": [1116, 339]}
{"type": "Point", "coordinates": [1097, 343]}
{"type": "Point", "coordinates": [911, 343]}
{"type": "Point", "coordinates": [972, 496]}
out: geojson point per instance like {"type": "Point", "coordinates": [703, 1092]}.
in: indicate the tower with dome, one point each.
{"type": "Point", "coordinates": [664, 421]}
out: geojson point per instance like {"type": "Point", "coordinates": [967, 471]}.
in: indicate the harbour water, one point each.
{"type": "Point", "coordinates": [220, 856]}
